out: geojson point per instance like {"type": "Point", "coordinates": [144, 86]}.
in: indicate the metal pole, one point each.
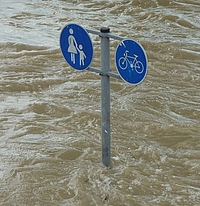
{"type": "Point", "coordinates": [105, 95]}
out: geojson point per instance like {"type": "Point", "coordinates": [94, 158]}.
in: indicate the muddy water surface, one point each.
{"type": "Point", "coordinates": [50, 115]}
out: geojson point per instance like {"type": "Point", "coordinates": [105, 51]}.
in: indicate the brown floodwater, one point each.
{"type": "Point", "coordinates": [50, 114]}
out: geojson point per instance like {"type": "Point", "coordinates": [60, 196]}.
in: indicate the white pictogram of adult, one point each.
{"type": "Point", "coordinates": [72, 45]}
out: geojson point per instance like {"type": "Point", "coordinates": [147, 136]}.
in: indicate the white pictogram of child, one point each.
{"type": "Point", "coordinates": [82, 55]}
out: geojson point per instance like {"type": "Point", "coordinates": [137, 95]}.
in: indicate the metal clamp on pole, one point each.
{"type": "Point", "coordinates": [105, 95]}
{"type": "Point", "coordinates": [111, 74]}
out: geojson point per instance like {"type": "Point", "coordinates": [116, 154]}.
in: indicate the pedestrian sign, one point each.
{"type": "Point", "coordinates": [76, 46]}
{"type": "Point", "coordinates": [131, 61]}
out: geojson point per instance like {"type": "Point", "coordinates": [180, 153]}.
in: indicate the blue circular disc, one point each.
{"type": "Point", "coordinates": [76, 46]}
{"type": "Point", "coordinates": [131, 61]}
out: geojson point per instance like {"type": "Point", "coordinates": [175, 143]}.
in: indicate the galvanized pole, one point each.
{"type": "Point", "coordinates": [105, 95]}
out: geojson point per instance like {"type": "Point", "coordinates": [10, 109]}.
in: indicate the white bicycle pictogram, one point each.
{"type": "Point", "coordinates": [132, 61]}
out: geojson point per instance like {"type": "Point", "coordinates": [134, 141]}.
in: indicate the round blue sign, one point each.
{"type": "Point", "coordinates": [76, 46]}
{"type": "Point", "coordinates": [131, 61]}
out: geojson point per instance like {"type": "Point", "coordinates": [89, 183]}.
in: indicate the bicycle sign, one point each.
{"type": "Point", "coordinates": [131, 61]}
